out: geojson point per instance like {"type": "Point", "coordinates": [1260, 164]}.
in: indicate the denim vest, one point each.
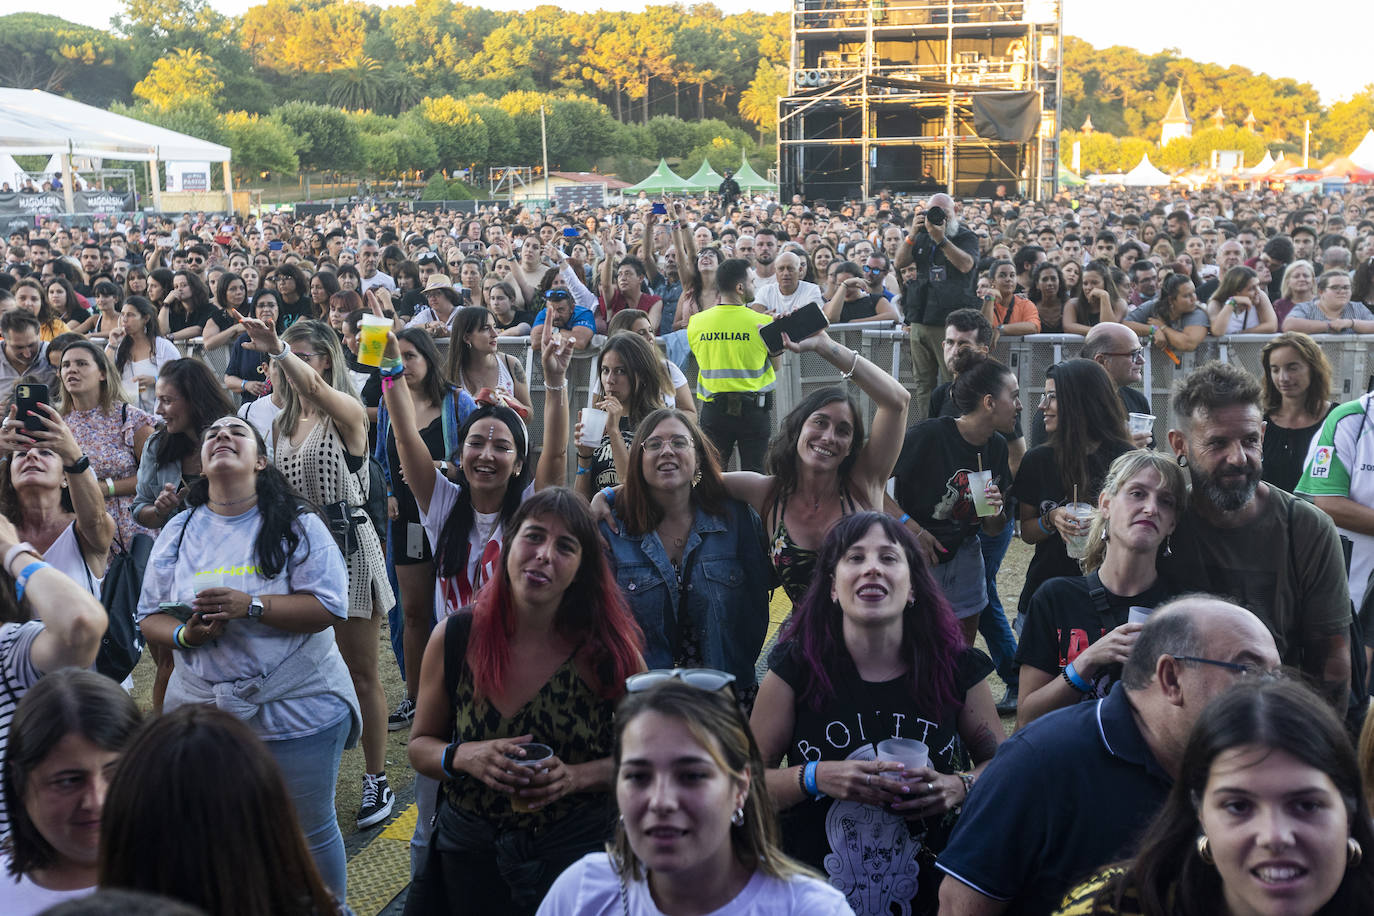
{"type": "Point", "coordinates": [728, 581]}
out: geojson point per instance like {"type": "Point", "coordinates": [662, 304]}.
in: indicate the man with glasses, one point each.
{"type": "Point", "coordinates": [1277, 554]}
{"type": "Point", "coordinates": [1117, 349]}
{"type": "Point", "coordinates": [1144, 282]}
{"type": "Point", "coordinates": [1073, 790]}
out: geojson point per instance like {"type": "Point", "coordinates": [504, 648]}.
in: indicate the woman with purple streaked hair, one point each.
{"type": "Point", "coordinates": [873, 652]}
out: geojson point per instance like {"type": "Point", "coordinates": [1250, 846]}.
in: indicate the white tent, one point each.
{"type": "Point", "coordinates": [10, 171]}
{"type": "Point", "coordinates": [1145, 175]}
{"type": "Point", "coordinates": [1363, 155]}
{"type": "Point", "coordinates": [1262, 167]}
{"type": "Point", "coordinates": [40, 123]}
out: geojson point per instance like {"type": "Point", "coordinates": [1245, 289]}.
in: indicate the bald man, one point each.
{"type": "Point", "coordinates": [946, 257]}
{"type": "Point", "coordinates": [787, 291]}
{"type": "Point", "coordinates": [1072, 791]}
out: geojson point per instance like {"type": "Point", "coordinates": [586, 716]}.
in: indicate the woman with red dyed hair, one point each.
{"type": "Point", "coordinates": [537, 663]}
{"type": "Point", "coordinates": [873, 652]}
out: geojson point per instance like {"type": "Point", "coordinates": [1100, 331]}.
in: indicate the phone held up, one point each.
{"type": "Point", "coordinates": [26, 400]}
{"type": "Point", "coordinates": [798, 325]}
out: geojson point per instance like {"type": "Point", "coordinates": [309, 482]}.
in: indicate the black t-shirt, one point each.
{"type": "Point", "coordinates": [865, 306]}
{"type": "Point", "coordinates": [518, 316]}
{"type": "Point", "coordinates": [288, 315]}
{"type": "Point", "coordinates": [1038, 484]}
{"type": "Point", "coordinates": [76, 313]}
{"type": "Point", "coordinates": [932, 479]}
{"type": "Point", "coordinates": [246, 364]}
{"type": "Point", "coordinates": [1285, 451]}
{"type": "Point", "coordinates": [180, 320]}
{"type": "Point", "coordinates": [1065, 619]}
{"type": "Point", "coordinates": [838, 838]}
{"type": "Point", "coordinates": [940, 289]}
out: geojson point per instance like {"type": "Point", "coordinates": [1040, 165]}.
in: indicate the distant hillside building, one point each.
{"type": "Point", "coordinates": [1176, 122]}
{"type": "Point", "coordinates": [1218, 118]}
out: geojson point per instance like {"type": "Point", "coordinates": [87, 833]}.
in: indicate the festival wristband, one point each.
{"type": "Point", "coordinates": [1075, 679]}
{"type": "Point", "coordinates": [906, 517]}
{"type": "Point", "coordinates": [21, 581]}
{"type": "Point", "coordinates": [446, 761]}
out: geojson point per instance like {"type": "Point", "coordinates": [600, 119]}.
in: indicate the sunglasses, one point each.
{"type": "Point", "coordinates": [709, 679]}
{"type": "Point", "coordinates": [557, 295]}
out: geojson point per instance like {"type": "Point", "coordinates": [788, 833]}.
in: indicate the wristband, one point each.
{"type": "Point", "coordinates": [1041, 522]}
{"type": "Point", "coordinates": [906, 517]}
{"type": "Point", "coordinates": [392, 371]}
{"type": "Point", "coordinates": [446, 759]}
{"type": "Point", "coordinates": [22, 580]}
{"type": "Point", "coordinates": [809, 780]}
{"type": "Point", "coordinates": [281, 354]}
{"type": "Point", "coordinates": [609, 493]}
{"type": "Point", "coordinates": [389, 362]}
{"type": "Point", "coordinates": [581, 471]}
{"type": "Point", "coordinates": [109, 486]}
{"type": "Point", "coordinates": [1076, 680]}
{"type": "Point", "coordinates": [178, 639]}
{"type": "Point", "coordinates": [16, 550]}
{"type": "Point", "coordinates": [562, 387]}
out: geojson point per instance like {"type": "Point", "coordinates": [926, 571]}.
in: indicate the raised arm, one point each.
{"type": "Point", "coordinates": [552, 470]}
{"type": "Point", "coordinates": [650, 257]}
{"type": "Point", "coordinates": [835, 307]}
{"type": "Point", "coordinates": [73, 619]}
{"type": "Point", "coordinates": [343, 407]}
{"type": "Point", "coordinates": [416, 463]}
{"type": "Point", "coordinates": [891, 400]}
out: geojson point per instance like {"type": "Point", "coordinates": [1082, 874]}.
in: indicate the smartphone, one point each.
{"type": "Point", "coordinates": [798, 325]}
{"type": "Point", "coordinates": [570, 233]}
{"type": "Point", "coordinates": [182, 612]}
{"type": "Point", "coordinates": [164, 242]}
{"type": "Point", "coordinates": [276, 245]}
{"type": "Point", "coordinates": [27, 398]}
{"type": "Point", "coordinates": [660, 209]}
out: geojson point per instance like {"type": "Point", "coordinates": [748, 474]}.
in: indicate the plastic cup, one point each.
{"type": "Point", "coordinates": [1077, 544]}
{"type": "Point", "coordinates": [909, 751]}
{"type": "Point", "coordinates": [593, 426]}
{"type": "Point", "coordinates": [535, 756]}
{"type": "Point", "coordinates": [1139, 614]}
{"type": "Point", "coordinates": [372, 339]}
{"type": "Point", "coordinates": [1141, 423]}
{"type": "Point", "coordinates": [978, 483]}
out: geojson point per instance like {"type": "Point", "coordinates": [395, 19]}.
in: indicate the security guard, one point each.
{"type": "Point", "coordinates": [735, 376]}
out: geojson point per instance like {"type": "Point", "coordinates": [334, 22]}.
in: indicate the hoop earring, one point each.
{"type": "Point", "coordinates": [1104, 534]}
{"type": "Point", "coordinates": [1183, 461]}
{"type": "Point", "coordinates": [1204, 850]}
{"type": "Point", "coordinates": [1354, 853]}
{"type": "Point", "coordinates": [738, 817]}
{"type": "Point", "coordinates": [1168, 550]}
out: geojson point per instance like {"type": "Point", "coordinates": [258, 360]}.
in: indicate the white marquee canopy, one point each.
{"type": "Point", "coordinates": [40, 123]}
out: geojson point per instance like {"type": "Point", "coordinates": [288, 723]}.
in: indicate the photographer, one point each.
{"type": "Point", "coordinates": [946, 256]}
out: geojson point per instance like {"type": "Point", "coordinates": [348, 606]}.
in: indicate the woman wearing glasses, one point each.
{"type": "Point", "coordinates": [1078, 630]}
{"type": "Point", "coordinates": [1333, 311]}
{"type": "Point", "coordinates": [690, 560]}
{"type": "Point", "coordinates": [697, 831]}
{"type": "Point", "coordinates": [319, 443]}
{"type": "Point", "coordinates": [1087, 431]}
{"type": "Point", "coordinates": [542, 656]}
{"type": "Point", "coordinates": [1297, 391]}
{"type": "Point", "coordinates": [873, 652]}
{"type": "Point", "coordinates": [1266, 816]}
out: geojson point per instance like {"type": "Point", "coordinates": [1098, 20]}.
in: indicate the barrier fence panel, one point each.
{"type": "Point", "coordinates": [888, 346]}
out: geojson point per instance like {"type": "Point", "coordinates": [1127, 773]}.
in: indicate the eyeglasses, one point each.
{"type": "Point", "coordinates": [309, 356]}
{"type": "Point", "coordinates": [1136, 356]}
{"type": "Point", "coordinates": [1337, 289]}
{"type": "Point", "coordinates": [655, 445]}
{"type": "Point", "coordinates": [709, 679]}
{"type": "Point", "coordinates": [1244, 669]}
{"type": "Point", "coordinates": [1049, 397]}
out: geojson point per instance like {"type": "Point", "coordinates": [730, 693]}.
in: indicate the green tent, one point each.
{"type": "Point", "coordinates": [1068, 179]}
{"type": "Point", "coordinates": [750, 180]}
{"type": "Point", "coordinates": [705, 178]}
{"type": "Point", "coordinates": [661, 181]}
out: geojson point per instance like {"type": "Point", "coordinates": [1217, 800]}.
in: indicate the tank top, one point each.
{"type": "Point", "coordinates": [794, 566]}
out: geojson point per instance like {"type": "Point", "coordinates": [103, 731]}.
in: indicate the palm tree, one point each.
{"type": "Point", "coordinates": [358, 83]}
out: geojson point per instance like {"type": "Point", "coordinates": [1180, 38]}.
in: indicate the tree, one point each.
{"type": "Point", "coordinates": [329, 140]}
{"type": "Point", "coordinates": [358, 84]}
{"type": "Point", "coordinates": [259, 144]}
{"type": "Point", "coordinates": [759, 103]}
{"type": "Point", "coordinates": [194, 116]}
{"type": "Point", "coordinates": [458, 133]}
{"type": "Point", "coordinates": [1347, 123]}
{"type": "Point", "coordinates": [181, 76]}
{"type": "Point", "coordinates": [44, 52]}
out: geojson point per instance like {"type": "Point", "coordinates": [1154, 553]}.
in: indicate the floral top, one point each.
{"type": "Point", "coordinates": [108, 440]}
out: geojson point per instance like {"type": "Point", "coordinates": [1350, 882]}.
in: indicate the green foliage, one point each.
{"type": "Point", "coordinates": [760, 101]}
{"type": "Point", "coordinates": [1343, 129]}
{"type": "Point", "coordinates": [1194, 151]}
{"type": "Point", "coordinates": [459, 135]}
{"type": "Point", "coordinates": [259, 144]}
{"type": "Point", "coordinates": [436, 188]}
{"type": "Point", "coordinates": [329, 138]}
{"type": "Point", "coordinates": [45, 52]}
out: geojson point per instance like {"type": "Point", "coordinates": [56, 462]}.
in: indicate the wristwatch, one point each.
{"type": "Point", "coordinates": [79, 466]}
{"type": "Point", "coordinates": [255, 608]}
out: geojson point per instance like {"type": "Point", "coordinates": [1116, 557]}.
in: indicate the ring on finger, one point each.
{"type": "Point", "coordinates": [868, 779]}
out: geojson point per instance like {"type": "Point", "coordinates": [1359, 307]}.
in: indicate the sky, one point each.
{"type": "Point", "coordinates": [1267, 39]}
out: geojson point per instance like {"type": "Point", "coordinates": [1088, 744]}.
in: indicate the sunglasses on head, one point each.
{"type": "Point", "coordinates": [709, 679]}
{"type": "Point", "coordinates": [557, 295]}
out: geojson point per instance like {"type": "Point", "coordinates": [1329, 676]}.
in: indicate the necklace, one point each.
{"type": "Point", "coordinates": [233, 502]}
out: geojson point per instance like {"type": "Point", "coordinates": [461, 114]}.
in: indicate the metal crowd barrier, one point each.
{"type": "Point", "coordinates": [886, 344]}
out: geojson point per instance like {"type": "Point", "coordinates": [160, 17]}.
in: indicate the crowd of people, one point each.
{"type": "Point", "coordinates": [582, 623]}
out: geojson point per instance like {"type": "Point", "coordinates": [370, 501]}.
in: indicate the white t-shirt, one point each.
{"type": "Point", "coordinates": [379, 279]}
{"type": "Point", "coordinates": [261, 412]}
{"type": "Point", "coordinates": [770, 296]}
{"type": "Point", "coordinates": [590, 887]}
{"type": "Point", "coordinates": [452, 594]}
{"type": "Point", "coordinates": [24, 898]}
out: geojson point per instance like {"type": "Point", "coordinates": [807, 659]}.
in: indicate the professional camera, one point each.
{"type": "Point", "coordinates": [935, 216]}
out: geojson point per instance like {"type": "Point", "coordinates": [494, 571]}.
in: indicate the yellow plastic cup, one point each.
{"type": "Point", "coordinates": [372, 339]}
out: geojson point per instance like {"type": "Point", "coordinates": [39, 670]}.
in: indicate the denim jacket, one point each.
{"type": "Point", "coordinates": [728, 581]}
